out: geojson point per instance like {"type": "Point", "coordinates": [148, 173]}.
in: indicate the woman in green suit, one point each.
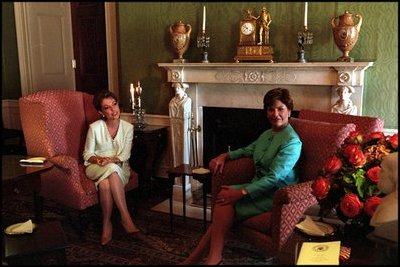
{"type": "Point", "coordinates": [275, 154]}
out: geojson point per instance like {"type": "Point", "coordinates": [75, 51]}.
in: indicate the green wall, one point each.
{"type": "Point", "coordinates": [144, 42]}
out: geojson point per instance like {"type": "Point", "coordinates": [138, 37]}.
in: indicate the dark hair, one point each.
{"type": "Point", "coordinates": [281, 94]}
{"type": "Point", "coordinates": [100, 95]}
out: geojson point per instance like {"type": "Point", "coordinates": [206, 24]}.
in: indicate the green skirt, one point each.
{"type": "Point", "coordinates": [247, 207]}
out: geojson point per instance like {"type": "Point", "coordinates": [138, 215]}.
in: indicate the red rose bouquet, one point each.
{"type": "Point", "coordinates": [348, 180]}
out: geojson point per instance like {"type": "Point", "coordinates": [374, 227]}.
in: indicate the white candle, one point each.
{"type": "Point", "coordinates": [132, 95]}
{"type": "Point", "coordinates": [204, 19]}
{"type": "Point", "coordinates": [139, 92]}
{"type": "Point", "coordinates": [305, 14]}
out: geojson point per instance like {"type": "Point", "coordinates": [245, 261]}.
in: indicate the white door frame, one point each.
{"type": "Point", "coordinates": [25, 58]}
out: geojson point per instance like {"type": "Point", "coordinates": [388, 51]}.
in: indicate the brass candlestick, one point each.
{"type": "Point", "coordinates": [203, 41]}
{"type": "Point", "coordinates": [304, 37]}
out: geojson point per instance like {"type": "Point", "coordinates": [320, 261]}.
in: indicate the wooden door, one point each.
{"type": "Point", "coordinates": [45, 48]}
{"type": "Point", "coordinates": [90, 50]}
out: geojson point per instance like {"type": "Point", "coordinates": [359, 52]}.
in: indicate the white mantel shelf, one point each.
{"type": "Point", "coordinates": [293, 73]}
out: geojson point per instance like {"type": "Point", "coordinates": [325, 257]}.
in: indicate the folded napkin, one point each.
{"type": "Point", "coordinates": [310, 227]}
{"type": "Point", "coordinates": [200, 171]}
{"type": "Point", "coordinates": [26, 227]}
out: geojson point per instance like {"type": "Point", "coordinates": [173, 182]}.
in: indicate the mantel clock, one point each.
{"type": "Point", "coordinates": [248, 49]}
{"type": "Point", "coordinates": [248, 32]}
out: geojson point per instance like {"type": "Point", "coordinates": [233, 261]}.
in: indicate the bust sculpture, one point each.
{"type": "Point", "coordinates": [344, 105]}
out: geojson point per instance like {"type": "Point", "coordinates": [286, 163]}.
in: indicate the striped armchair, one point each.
{"type": "Point", "coordinates": [55, 124]}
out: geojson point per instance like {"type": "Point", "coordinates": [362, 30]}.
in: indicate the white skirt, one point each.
{"type": "Point", "coordinates": [99, 173]}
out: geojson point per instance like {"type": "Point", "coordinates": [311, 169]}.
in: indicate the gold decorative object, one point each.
{"type": "Point", "coordinates": [250, 28]}
{"type": "Point", "coordinates": [180, 39]}
{"type": "Point", "coordinates": [345, 33]}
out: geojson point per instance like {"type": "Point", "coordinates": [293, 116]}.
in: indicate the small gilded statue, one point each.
{"type": "Point", "coordinates": [264, 20]}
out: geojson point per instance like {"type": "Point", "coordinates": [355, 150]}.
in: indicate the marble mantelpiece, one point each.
{"type": "Point", "coordinates": [312, 84]}
{"type": "Point", "coordinates": [312, 73]}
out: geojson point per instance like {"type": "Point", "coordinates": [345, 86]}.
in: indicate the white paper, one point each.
{"type": "Point", "coordinates": [309, 226]}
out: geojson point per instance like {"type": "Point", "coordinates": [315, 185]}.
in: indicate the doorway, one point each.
{"type": "Point", "coordinates": [90, 49]}
{"type": "Point", "coordinates": [31, 79]}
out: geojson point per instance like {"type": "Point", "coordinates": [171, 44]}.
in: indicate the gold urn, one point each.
{"type": "Point", "coordinates": [345, 33]}
{"type": "Point", "coordinates": [180, 39]}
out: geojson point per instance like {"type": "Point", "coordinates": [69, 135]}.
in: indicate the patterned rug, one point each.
{"type": "Point", "coordinates": [157, 246]}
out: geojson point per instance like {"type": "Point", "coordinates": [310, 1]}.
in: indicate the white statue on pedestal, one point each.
{"type": "Point", "coordinates": [180, 111]}
{"type": "Point", "coordinates": [344, 105]}
{"type": "Point", "coordinates": [385, 218]}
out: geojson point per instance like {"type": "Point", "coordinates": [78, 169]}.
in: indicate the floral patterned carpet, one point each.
{"type": "Point", "coordinates": [157, 246]}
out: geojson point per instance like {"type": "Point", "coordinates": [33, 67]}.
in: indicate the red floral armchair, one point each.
{"type": "Point", "coordinates": [269, 231]}
{"type": "Point", "coordinates": [55, 124]}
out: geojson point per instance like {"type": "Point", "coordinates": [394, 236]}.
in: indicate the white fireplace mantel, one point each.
{"type": "Point", "coordinates": [291, 73]}
{"type": "Point", "coordinates": [243, 85]}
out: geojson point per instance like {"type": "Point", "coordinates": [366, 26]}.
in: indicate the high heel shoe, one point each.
{"type": "Point", "coordinates": [105, 241]}
{"type": "Point", "coordinates": [106, 235]}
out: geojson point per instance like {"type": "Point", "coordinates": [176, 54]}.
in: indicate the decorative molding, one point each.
{"type": "Point", "coordinates": [313, 73]}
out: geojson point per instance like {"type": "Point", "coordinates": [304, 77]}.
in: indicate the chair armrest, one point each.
{"type": "Point", "coordinates": [74, 169]}
{"type": "Point", "coordinates": [294, 193]}
{"type": "Point", "coordinates": [289, 204]}
{"type": "Point", "coordinates": [64, 162]}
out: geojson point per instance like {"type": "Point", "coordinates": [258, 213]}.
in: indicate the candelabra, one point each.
{"type": "Point", "coordinates": [204, 42]}
{"type": "Point", "coordinates": [304, 37]}
{"type": "Point", "coordinates": [138, 113]}
{"type": "Point", "coordinates": [137, 110]}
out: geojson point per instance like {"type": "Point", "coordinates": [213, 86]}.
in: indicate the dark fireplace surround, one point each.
{"type": "Point", "coordinates": [231, 128]}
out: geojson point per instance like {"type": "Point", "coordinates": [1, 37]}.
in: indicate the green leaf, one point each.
{"type": "Point", "coordinates": [360, 181]}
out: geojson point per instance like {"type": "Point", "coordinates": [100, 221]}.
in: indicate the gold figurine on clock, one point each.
{"type": "Point", "coordinates": [251, 27]}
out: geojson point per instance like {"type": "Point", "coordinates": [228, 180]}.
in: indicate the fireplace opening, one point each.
{"type": "Point", "coordinates": [231, 128]}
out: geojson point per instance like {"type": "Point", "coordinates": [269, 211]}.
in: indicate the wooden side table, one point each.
{"type": "Point", "coordinates": [16, 177]}
{"type": "Point", "coordinates": [364, 251]}
{"type": "Point", "coordinates": [148, 145]}
{"type": "Point", "coordinates": [184, 170]}
{"type": "Point", "coordinates": [48, 239]}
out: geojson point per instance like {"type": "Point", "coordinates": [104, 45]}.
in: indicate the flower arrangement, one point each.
{"type": "Point", "coordinates": [348, 180]}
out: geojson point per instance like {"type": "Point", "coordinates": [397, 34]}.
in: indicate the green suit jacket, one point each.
{"type": "Point", "coordinates": [275, 155]}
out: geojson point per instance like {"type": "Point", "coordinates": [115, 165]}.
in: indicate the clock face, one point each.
{"type": "Point", "coordinates": [247, 28]}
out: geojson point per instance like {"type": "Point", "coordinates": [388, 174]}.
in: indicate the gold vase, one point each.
{"type": "Point", "coordinates": [180, 39]}
{"type": "Point", "coordinates": [345, 33]}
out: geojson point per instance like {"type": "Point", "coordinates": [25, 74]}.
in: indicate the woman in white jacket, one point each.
{"type": "Point", "coordinates": [106, 154]}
